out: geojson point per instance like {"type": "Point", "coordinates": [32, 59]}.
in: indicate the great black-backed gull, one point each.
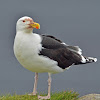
{"type": "Point", "coordinates": [44, 53]}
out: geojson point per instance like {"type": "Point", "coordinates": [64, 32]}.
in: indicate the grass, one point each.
{"type": "Point", "coordinates": [66, 95]}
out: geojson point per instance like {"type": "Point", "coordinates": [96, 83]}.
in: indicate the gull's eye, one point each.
{"type": "Point", "coordinates": [23, 20]}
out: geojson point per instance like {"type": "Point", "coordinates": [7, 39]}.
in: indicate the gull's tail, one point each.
{"type": "Point", "coordinates": [86, 60]}
{"type": "Point", "coordinates": [83, 59]}
{"type": "Point", "coordinates": [90, 59]}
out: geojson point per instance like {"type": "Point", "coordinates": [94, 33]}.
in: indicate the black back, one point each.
{"type": "Point", "coordinates": [54, 49]}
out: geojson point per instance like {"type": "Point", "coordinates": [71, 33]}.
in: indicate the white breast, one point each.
{"type": "Point", "coordinates": [26, 49]}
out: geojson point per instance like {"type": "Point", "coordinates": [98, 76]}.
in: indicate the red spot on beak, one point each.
{"type": "Point", "coordinates": [37, 27]}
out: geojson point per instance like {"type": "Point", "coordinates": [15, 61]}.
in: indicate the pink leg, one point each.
{"type": "Point", "coordinates": [35, 85]}
{"type": "Point", "coordinates": [49, 88]}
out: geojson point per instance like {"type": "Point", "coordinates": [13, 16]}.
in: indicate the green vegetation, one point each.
{"type": "Point", "coordinates": [66, 95]}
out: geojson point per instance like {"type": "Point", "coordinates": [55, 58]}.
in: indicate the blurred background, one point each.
{"type": "Point", "coordinates": [76, 22]}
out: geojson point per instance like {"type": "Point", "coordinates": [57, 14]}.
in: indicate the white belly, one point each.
{"type": "Point", "coordinates": [26, 49]}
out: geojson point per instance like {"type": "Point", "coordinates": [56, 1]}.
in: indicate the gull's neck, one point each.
{"type": "Point", "coordinates": [28, 31]}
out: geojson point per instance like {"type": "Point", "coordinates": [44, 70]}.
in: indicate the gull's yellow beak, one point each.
{"type": "Point", "coordinates": [35, 25]}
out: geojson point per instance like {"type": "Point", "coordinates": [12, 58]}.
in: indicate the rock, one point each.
{"type": "Point", "coordinates": [90, 97]}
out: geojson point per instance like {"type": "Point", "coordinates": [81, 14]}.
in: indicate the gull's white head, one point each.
{"type": "Point", "coordinates": [26, 24]}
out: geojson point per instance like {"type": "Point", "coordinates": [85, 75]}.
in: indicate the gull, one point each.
{"type": "Point", "coordinates": [44, 53]}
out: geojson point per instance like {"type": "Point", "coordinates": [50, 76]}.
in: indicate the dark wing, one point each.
{"type": "Point", "coordinates": [54, 49]}
{"type": "Point", "coordinates": [50, 42]}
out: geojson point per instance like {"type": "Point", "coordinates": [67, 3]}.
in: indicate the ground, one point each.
{"type": "Point", "coordinates": [65, 95]}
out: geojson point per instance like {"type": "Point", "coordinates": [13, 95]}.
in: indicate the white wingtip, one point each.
{"type": "Point", "coordinates": [83, 59]}
{"type": "Point", "coordinates": [95, 59]}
